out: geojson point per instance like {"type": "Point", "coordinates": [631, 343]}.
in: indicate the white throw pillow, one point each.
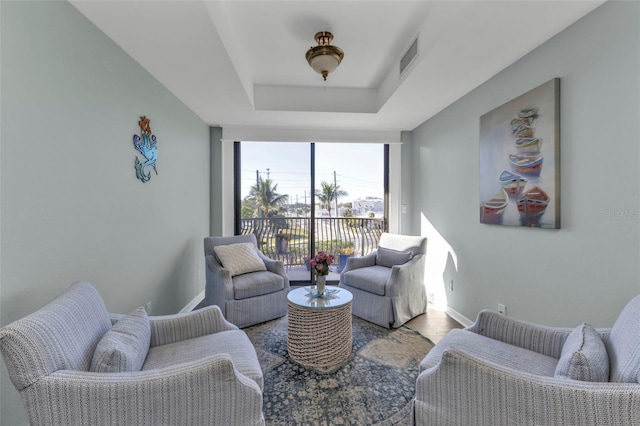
{"type": "Point", "coordinates": [240, 258]}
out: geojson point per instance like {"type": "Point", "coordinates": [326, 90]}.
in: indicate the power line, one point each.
{"type": "Point", "coordinates": [276, 172]}
{"type": "Point", "coordinates": [356, 178]}
{"type": "Point", "coordinates": [345, 178]}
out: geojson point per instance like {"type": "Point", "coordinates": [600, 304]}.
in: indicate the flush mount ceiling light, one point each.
{"type": "Point", "coordinates": [324, 58]}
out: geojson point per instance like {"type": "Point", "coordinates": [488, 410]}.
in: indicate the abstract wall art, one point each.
{"type": "Point", "coordinates": [520, 160]}
{"type": "Point", "coordinates": [145, 144]}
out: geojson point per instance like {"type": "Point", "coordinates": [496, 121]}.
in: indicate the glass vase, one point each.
{"type": "Point", "coordinates": [321, 280]}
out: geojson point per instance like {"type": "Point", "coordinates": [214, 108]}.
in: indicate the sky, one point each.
{"type": "Point", "coordinates": [359, 168]}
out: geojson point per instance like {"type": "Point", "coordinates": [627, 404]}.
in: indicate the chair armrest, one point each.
{"type": "Point", "coordinates": [219, 285]}
{"type": "Point", "coordinates": [465, 390]}
{"type": "Point", "coordinates": [406, 276]}
{"type": "Point", "coordinates": [275, 266]}
{"type": "Point", "coordinates": [539, 338]}
{"type": "Point", "coordinates": [357, 262]}
{"type": "Point", "coordinates": [175, 328]}
{"type": "Point", "coordinates": [195, 392]}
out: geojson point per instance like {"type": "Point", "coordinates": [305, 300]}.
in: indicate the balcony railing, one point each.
{"type": "Point", "coordinates": [289, 238]}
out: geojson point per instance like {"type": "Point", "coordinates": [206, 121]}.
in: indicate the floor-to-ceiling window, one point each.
{"type": "Point", "coordinates": [300, 198]}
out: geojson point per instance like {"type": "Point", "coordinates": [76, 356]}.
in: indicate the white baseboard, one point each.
{"type": "Point", "coordinates": [191, 305]}
{"type": "Point", "coordinates": [458, 317]}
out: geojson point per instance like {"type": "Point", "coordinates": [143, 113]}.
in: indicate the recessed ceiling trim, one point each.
{"type": "Point", "coordinates": [212, 67]}
{"type": "Point", "coordinates": [315, 99]}
{"type": "Point", "coordinates": [279, 134]}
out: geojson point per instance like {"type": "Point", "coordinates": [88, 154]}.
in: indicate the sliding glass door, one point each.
{"type": "Point", "coordinates": [300, 198]}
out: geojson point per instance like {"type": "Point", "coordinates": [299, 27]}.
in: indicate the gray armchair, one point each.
{"type": "Point", "coordinates": [248, 298]}
{"type": "Point", "coordinates": [502, 371]}
{"type": "Point", "coordinates": [388, 284]}
{"type": "Point", "coordinates": [193, 368]}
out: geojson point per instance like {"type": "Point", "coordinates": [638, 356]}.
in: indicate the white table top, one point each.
{"type": "Point", "coordinates": [306, 298]}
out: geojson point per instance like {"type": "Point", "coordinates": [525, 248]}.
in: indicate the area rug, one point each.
{"type": "Point", "coordinates": [374, 387]}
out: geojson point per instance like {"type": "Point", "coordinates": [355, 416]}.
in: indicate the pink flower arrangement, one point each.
{"type": "Point", "coordinates": [320, 263]}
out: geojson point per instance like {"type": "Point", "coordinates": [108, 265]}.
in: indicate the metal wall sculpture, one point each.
{"type": "Point", "coordinates": [145, 144]}
{"type": "Point", "coordinates": [520, 160]}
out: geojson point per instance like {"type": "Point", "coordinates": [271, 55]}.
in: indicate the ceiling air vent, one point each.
{"type": "Point", "coordinates": [408, 57]}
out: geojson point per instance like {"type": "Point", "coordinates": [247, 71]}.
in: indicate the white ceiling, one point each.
{"type": "Point", "coordinates": [241, 64]}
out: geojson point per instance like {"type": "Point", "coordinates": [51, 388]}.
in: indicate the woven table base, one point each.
{"type": "Point", "coordinates": [320, 338]}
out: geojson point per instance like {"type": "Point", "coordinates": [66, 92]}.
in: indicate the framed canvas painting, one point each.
{"type": "Point", "coordinates": [520, 160]}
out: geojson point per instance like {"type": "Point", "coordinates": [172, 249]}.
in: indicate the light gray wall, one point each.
{"type": "Point", "coordinates": [215, 227]}
{"type": "Point", "coordinates": [408, 221]}
{"type": "Point", "coordinates": [71, 206]}
{"type": "Point", "coordinates": [588, 269]}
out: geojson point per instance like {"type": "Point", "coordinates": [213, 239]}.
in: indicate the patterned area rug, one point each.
{"type": "Point", "coordinates": [374, 387]}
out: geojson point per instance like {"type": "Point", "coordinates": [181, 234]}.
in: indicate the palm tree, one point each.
{"type": "Point", "coordinates": [329, 193]}
{"type": "Point", "coordinates": [264, 194]}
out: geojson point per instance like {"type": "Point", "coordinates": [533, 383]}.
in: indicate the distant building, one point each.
{"type": "Point", "coordinates": [362, 207]}
{"type": "Point", "coordinates": [322, 212]}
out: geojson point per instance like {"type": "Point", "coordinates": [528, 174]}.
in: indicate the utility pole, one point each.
{"type": "Point", "coordinates": [335, 191]}
{"type": "Point", "coordinates": [268, 173]}
{"type": "Point", "coordinates": [258, 188]}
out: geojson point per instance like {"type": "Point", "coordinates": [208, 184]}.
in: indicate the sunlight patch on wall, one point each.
{"type": "Point", "coordinates": [438, 250]}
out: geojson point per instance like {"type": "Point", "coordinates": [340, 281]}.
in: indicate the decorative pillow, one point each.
{"type": "Point", "coordinates": [125, 346]}
{"type": "Point", "coordinates": [387, 257]}
{"type": "Point", "coordinates": [240, 258]}
{"type": "Point", "coordinates": [584, 356]}
{"type": "Point", "coordinates": [624, 342]}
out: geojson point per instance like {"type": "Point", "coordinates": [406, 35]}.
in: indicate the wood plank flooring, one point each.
{"type": "Point", "coordinates": [434, 324]}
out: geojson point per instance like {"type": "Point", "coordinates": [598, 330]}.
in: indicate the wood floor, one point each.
{"type": "Point", "coordinates": [434, 324]}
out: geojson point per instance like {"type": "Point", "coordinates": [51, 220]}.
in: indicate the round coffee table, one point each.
{"type": "Point", "coordinates": [319, 330]}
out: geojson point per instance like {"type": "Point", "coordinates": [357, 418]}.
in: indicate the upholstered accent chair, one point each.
{"type": "Point", "coordinates": [388, 284]}
{"type": "Point", "coordinates": [74, 363]}
{"type": "Point", "coordinates": [249, 287]}
{"type": "Point", "coordinates": [502, 371]}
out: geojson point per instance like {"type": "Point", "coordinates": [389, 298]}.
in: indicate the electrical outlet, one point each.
{"type": "Point", "coordinates": [450, 285]}
{"type": "Point", "coordinates": [147, 308]}
{"type": "Point", "coordinates": [502, 309]}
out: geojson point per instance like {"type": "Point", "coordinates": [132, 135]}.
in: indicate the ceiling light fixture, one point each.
{"type": "Point", "coordinates": [324, 58]}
